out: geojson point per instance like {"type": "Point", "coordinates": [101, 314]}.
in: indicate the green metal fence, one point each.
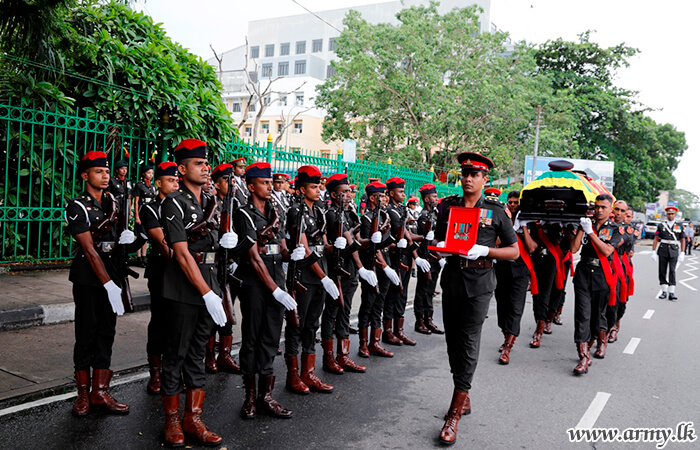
{"type": "Point", "coordinates": [40, 147]}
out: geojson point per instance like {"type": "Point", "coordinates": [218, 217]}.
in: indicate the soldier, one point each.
{"type": "Point", "coordinates": [190, 287]}
{"type": "Point", "coordinates": [91, 221]}
{"type": "Point", "coordinates": [364, 196]}
{"type": "Point", "coordinates": [144, 193]}
{"type": "Point", "coordinates": [167, 183]}
{"type": "Point", "coordinates": [594, 282]}
{"type": "Point", "coordinates": [310, 303]}
{"type": "Point", "coordinates": [668, 239]}
{"type": "Point", "coordinates": [626, 287]}
{"type": "Point", "coordinates": [468, 283]}
{"type": "Point", "coordinates": [512, 279]}
{"type": "Point", "coordinates": [279, 196]}
{"type": "Point", "coordinates": [372, 298]}
{"type": "Point", "coordinates": [118, 184]}
{"type": "Point", "coordinates": [263, 306]}
{"type": "Point", "coordinates": [239, 168]}
{"type": "Point", "coordinates": [336, 318]}
{"type": "Point", "coordinates": [425, 286]}
{"type": "Point", "coordinates": [493, 194]}
{"type": "Point", "coordinates": [401, 259]}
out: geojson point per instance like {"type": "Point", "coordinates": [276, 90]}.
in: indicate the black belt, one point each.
{"type": "Point", "coordinates": [269, 249]}
{"type": "Point", "coordinates": [205, 257]}
{"type": "Point", "coordinates": [104, 247]}
{"type": "Point", "coordinates": [592, 261]}
{"type": "Point", "coordinates": [481, 263]}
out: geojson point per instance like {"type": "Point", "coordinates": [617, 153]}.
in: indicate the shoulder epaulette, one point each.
{"type": "Point", "coordinates": [495, 202]}
{"type": "Point", "coordinates": [174, 194]}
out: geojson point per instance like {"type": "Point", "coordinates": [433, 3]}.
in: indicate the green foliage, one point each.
{"type": "Point", "coordinates": [688, 203]}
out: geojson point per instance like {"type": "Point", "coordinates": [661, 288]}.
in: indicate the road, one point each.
{"type": "Point", "coordinates": [400, 402]}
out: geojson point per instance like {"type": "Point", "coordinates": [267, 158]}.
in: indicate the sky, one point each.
{"type": "Point", "coordinates": [664, 72]}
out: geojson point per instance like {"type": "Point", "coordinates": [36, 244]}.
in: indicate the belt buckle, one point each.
{"type": "Point", "coordinates": [273, 249]}
{"type": "Point", "coordinates": [209, 258]}
{"type": "Point", "coordinates": [106, 247]}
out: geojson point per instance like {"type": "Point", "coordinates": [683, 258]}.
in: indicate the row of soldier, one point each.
{"type": "Point", "coordinates": [301, 257]}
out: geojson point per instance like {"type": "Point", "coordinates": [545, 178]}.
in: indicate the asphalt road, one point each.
{"type": "Point", "coordinates": [400, 402]}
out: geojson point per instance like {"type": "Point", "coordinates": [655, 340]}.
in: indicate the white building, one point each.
{"type": "Point", "coordinates": [295, 53]}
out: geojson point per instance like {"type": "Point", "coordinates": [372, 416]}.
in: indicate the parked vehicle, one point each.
{"type": "Point", "coordinates": [650, 229]}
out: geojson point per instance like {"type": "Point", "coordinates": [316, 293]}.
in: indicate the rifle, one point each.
{"type": "Point", "coordinates": [209, 223]}
{"type": "Point", "coordinates": [121, 253]}
{"type": "Point", "coordinates": [105, 225]}
{"type": "Point", "coordinates": [338, 258]}
{"type": "Point", "coordinates": [374, 227]}
{"type": "Point", "coordinates": [424, 244]}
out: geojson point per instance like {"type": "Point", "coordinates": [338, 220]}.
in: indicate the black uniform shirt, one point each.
{"type": "Point", "coordinates": [669, 233]}
{"type": "Point", "coordinates": [150, 218]}
{"type": "Point", "coordinates": [118, 187]}
{"type": "Point", "coordinates": [424, 217]}
{"type": "Point", "coordinates": [366, 258]}
{"type": "Point", "coordinates": [608, 233]}
{"type": "Point", "coordinates": [247, 221]}
{"type": "Point", "coordinates": [398, 215]}
{"type": "Point", "coordinates": [332, 218]}
{"type": "Point", "coordinates": [313, 221]}
{"type": "Point", "coordinates": [82, 213]}
{"type": "Point", "coordinates": [281, 203]}
{"type": "Point", "coordinates": [180, 211]}
{"type": "Point", "coordinates": [477, 281]}
{"type": "Point", "coordinates": [145, 192]}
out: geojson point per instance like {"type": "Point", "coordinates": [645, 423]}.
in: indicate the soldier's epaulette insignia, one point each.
{"type": "Point", "coordinates": [495, 202]}
{"type": "Point", "coordinates": [174, 194]}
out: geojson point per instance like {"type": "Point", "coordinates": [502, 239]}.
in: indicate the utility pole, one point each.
{"type": "Point", "coordinates": [537, 140]}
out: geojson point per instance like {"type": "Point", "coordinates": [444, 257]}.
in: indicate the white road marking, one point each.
{"type": "Point", "coordinates": [643, 252]}
{"type": "Point", "coordinates": [659, 293]}
{"type": "Point", "coordinates": [691, 262]}
{"type": "Point", "coordinates": [594, 409]}
{"type": "Point", "coordinates": [632, 346]}
{"type": "Point", "coordinates": [648, 314]}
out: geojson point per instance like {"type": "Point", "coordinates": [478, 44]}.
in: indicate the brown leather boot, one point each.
{"type": "Point", "coordinates": [192, 422]}
{"type": "Point", "coordinates": [294, 383]}
{"type": "Point", "coordinates": [154, 364]}
{"type": "Point", "coordinates": [612, 335]}
{"type": "Point", "coordinates": [344, 360]}
{"type": "Point", "coordinates": [398, 332]}
{"type": "Point", "coordinates": [602, 344]}
{"type": "Point", "coordinates": [329, 363]}
{"type": "Point", "coordinates": [81, 406]}
{"type": "Point", "coordinates": [100, 398]}
{"type": "Point", "coordinates": [388, 335]}
{"type": "Point", "coordinates": [375, 348]}
{"type": "Point", "coordinates": [548, 323]}
{"type": "Point", "coordinates": [308, 374]}
{"type": "Point", "coordinates": [448, 434]}
{"type": "Point", "coordinates": [248, 410]}
{"type": "Point", "coordinates": [225, 361]}
{"type": "Point", "coordinates": [507, 346]}
{"type": "Point", "coordinates": [420, 325]}
{"type": "Point", "coordinates": [431, 325]}
{"type": "Point", "coordinates": [584, 358]}
{"type": "Point", "coordinates": [266, 403]}
{"type": "Point", "coordinates": [172, 432]}
{"type": "Point", "coordinates": [210, 358]}
{"type": "Point", "coordinates": [557, 316]}
{"type": "Point", "coordinates": [537, 336]}
{"type": "Point", "coordinates": [363, 351]}
{"type": "Point", "coordinates": [466, 409]}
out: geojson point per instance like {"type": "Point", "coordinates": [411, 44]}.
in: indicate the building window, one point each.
{"type": "Point", "coordinates": [296, 150]}
{"type": "Point", "coordinates": [299, 67]}
{"type": "Point", "coordinates": [326, 153]}
{"type": "Point", "coordinates": [280, 126]}
{"type": "Point", "coordinates": [253, 76]}
{"type": "Point", "coordinates": [270, 50]}
{"type": "Point", "coordinates": [332, 45]}
{"type": "Point", "coordinates": [251, 106]}
{"type": "Point", "coordinates": [236, 107]}
{"type": "Point", "coordinates": [248, 132]}
{"type": "Point", "coordinates": [284, 49]}
{"type": "Point", "coordinates": [266, 100]}
{"type": "Point", "coordinates": [301, 47]}
{"type": "Point", "coordinates": [282, 69]}
{"type": "Point", "coordinates": [265, 127]}
{"type": "Point", "coordinates": [317, 45]}
{"type": "Point", "coordinates": [255, 52]}
{"type": "Point", "coordinates": [330, 71]}
{"type": "Point", "coordinates": [283, 100]}
{"type": "Point", "coordinates": [298, 127]}
{"type": "Point", "coordinates": [299, 99]}
{"type": "Point", "coordinates": [266, 70]}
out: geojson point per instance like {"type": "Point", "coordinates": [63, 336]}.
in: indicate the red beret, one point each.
{"type": "Point", "coordinates": [309, 174]}
{"type": "Point", "coordinates": [258, 170]}
{"type": "Point", "coordinates": [492, 191]}
{"type": "Point", "coordinates": [375, 187]}
{"type": "Point", "coordinates": [221, 170]}
{"type": "Point", "coordinates": [395, 183]}
{"type": "Point", "coordinates": [166, 169]}
{"type": "Point", "coordinates": [92, 159]}
{"type": "Point", "coordinates": [427, 189]}
{"type": "Point", "coordinates": [336, 180]}
{"type": "Point", "coordinates": [190, 148]}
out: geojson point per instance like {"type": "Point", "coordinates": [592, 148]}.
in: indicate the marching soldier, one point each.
{"type": "Point", "coordinates": [617, 311]}
{"type": "Point", "coordinates": [279, 196]}
{"type": "Point", "coordinates": [144, 192]}
{"type": "Point", "coordinates": [594, 282]}
{"type": "Point", "coordinates": [167, 183]}
{"type": "Point", "coordinates": [336, 318]}
{"type": "Point", "coordinates": [468, 283]}
{"type": "Point", "coordinates": [310, 303]}
{"type": "Point", "coordinates": [401, 259]}
{"type": "Point", "coordinates": [239, 168]}
{"type": "Point", "coordinates": [91, 221]}
{"type": "Point", "coordinates": [192, 292]}
{"type": "Point", "coordinates": [425, 286]}
{"type": "Point", "coordinates": [263, 306]}
{"type": "Point", "coordinates": [668, 239]}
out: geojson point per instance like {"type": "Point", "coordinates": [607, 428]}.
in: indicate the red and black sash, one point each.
{"type": "Point", "coordinates": [555, 251]}
{"type": "Point", "coordinates": [534, 290]}
{"type": "Point", "coordinates": [620, 274]}
{"type": "Point", "coordinates": [629, 268]}
{"type": "Point", "coordinates": [610, 277]}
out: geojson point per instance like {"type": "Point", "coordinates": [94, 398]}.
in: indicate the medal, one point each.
{"type": "Point", "coordinates": [194, 216]}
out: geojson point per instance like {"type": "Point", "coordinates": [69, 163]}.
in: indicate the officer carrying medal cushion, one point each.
{"type": "Point", "coordinates": [468, 282]}
{"type": "Point", "coordinates": [671, 250]}
{"type": "Point", "coordinates": [167, 182]}
{"type": "Point", "coordinates": [192, 293]}
{"type": "Point", "coordinates": [91, 221]}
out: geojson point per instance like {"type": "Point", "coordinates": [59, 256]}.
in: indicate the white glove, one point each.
{"type": "Point", "coordinates": [442, 262]}
{"type": "Point", "coordinates": [587, 225]}
{"type": "Point", "coordinates": [403, 243]}
{"type": "Point", "coordinates": [215, 306]}
{"type": "Point", "coordinates": [441, 244]}
{"type": "Point", "coordinates": [423, 264]}
{"type": "Point", "coordinates": [430, 235]}
{"type": "Point", "coordinates": [478, 251]}
{"type": "Point", "coordinates": [114, 293]}
{"type": "Point", "coordinates": [232, 268]}
{"type": "Point", "coordinates": [285, 299]}
{"type": "Point", "coordinates": [298, 253]}
{"type": "Point", "coordinates": [376, 237]}
{"type": "Point", "coordinates": [681, 257]}
{"type": "Point", "coordinates": [127, 237]}
{"type": "Point", "coordinates": [392, 275]}
{"type": "Point", "coordinates": [340, 243]}
{"type": "Point", "coordinates": [654, 256]}
{"type": "Point", "coordinates": [229, 240]}
{"type": "Point", "coordinates": [330, 287]}
{"type": "Point", "coordinates": [369, 276]}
